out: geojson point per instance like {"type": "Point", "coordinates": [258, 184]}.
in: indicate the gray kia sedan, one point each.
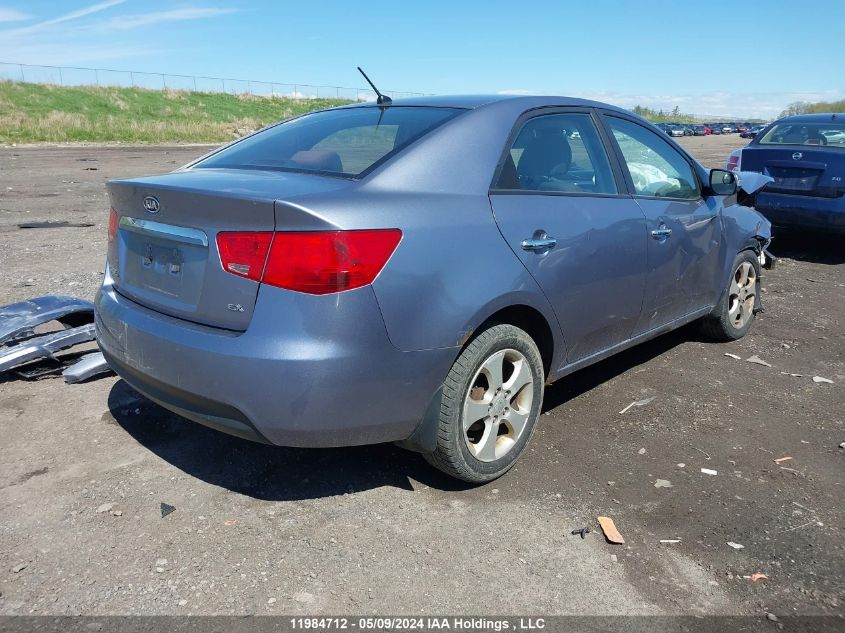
{"type": "Point", "coordinates": [416, 272]}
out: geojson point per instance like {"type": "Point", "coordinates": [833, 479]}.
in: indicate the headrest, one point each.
{"type": "Point", "coordinates": [543, 156]}
{"type": "Point", "coordinates": [318, 159]}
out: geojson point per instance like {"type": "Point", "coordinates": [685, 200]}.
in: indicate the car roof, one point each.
{"type": "Point", "coordinates": [815, 118]}
{"type": "Point", "coordinates": [477, 101]}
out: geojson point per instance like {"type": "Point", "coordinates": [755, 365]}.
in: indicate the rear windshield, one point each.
{"type": "Point", "coordinates": [343, 142]}
{"type": "Point", "coordinates": [827, 134]}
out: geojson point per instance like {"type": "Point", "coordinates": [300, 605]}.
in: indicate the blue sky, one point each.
{"type": "Point", "coordinates": [743, 58]}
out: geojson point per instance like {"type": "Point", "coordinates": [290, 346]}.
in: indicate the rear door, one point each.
{"type": "Point", "coordinates": [558, 202]}
{"type": "Point", "coordinates": [684, 229]}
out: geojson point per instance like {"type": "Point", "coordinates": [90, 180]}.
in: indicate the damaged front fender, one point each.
{"type": "Point", "coordinates": [751, 181]}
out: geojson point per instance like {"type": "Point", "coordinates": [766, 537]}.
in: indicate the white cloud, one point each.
{"type": "Point", "coordinates": [69, 39]}
{"type": "Point", "coordinates": [8, 14]}
{"type": "Point", "coordinates": [124, 22]}
{"type": "Point", "coordinates": [67, 17]}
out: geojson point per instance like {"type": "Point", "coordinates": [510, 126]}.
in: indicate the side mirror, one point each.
{"type": "Point", "coordinates": [722, 182]}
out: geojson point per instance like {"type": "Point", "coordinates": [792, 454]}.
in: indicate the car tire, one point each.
{"type": "Point", "coordinates": [487, 414]}
{"type": "Point", "coordinates": [733, 315]}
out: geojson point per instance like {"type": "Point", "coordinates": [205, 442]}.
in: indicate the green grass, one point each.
{"type": "Point", "coordinates": [36, 113]}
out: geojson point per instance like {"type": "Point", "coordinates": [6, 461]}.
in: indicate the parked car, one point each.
{"type": "Point", "coordinates": [663, 127]}
{"type": "Point", "coordinates": [834, 136]}
{"type": "Point", "coordinates": [715, 128]}
{"type": "Point", "coordinates": [752, 131]}
{"type": "Point", "coordinates": [728, 128]}
{"type": "Point", "coordinates": [808, 191]}
{"type": "Point", "coordinates": [676, 130]}
{"type": "Point", "coordinates": [742, 128]}
{"type": "Point", "coordinates": [700, 130]}
{"type": "Point", "coordinates": [417, 271]}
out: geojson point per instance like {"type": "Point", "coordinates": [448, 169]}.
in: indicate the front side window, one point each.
{"type": "Point", "coordinates": [342, 142]}
{"type": "Point", "coordinates": [832, 134]}
{"type": "Point", "coordinates": [657, 169]}
{"type": "Point", "coordinates": [557, 153]}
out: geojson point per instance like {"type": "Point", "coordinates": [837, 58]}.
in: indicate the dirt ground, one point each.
{"type": "Point", "coordinates": [269, 530]}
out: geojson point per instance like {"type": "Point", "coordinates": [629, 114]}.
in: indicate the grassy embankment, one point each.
{"type": "Point", "coordinates": [34, 113]}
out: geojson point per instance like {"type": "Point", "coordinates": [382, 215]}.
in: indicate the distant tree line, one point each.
{"type": "Point", "coordinates": [676, 116]}
{"type": "Point", "coordinates": [804, 107]}
{"type": "Point", "coordinates": [661, 116]}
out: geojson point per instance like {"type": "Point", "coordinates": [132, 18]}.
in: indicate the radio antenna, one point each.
{"type": "Point", "coordinates": [382, 99]}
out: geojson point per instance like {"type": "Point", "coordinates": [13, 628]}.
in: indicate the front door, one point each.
{"type": "Point", "coordinates": [684, 229]}
{"type": "Point", "coordinates": [565, 214]}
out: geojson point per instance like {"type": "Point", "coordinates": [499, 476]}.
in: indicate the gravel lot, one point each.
{"type": "Point", "coordinates": [374, 530]}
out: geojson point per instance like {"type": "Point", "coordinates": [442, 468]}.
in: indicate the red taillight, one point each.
{"type": "Point", "coordinates": [244, 254]}
{"type": "Point", "coordinates": [113, 220]}
{"type": "Point", "coordinates": [314, 262]}
{"type": "Point", "coordinates": [733, 162]}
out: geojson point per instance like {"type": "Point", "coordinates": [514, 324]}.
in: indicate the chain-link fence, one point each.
{"type": "Point", "coordinates": [77, 76]}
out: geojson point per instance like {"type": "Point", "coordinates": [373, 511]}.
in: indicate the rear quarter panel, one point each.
{"type": "Point", "coordinates": [452, 271]}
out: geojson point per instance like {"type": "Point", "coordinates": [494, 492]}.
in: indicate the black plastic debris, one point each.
{"type": "Point", "coordinates": [58, 224]}
{"type": "Point", "coordinates": [166, 509]}
{"type": "Point", "coordinates": [582, 531]}
{"type": "Point", "coordinates": [46, 367]}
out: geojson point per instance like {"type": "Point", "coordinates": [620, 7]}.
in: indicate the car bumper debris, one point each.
{"type": "Point", "coordinates": [89, 366]}
{"type": "Point", "coordinates": [19, 320]}
{"type": "Point", "coordinates": [44, 346]}
{"type": "Point", "coordinates": [21, 346]}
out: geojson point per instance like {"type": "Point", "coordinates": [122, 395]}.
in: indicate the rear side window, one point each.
{"type": "Point", "coordinates": [832, 134]}
{"type": "Point", "coordinates": [557, 153]}
{"type": "Point", "coordinates": [344, 142]}
{"type": "Point", "coordinates": [657, 169]}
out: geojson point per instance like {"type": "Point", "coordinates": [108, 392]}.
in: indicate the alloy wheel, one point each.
{"type": "Point", "coordinates": [497, 405]}
{"type": "Point", "coordinates": [742, 294]}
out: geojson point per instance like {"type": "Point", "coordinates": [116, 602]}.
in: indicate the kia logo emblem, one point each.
{"type": "Point", "coordinates": [797, 156]}
{"type": "Point", "coordinates": [152, 204]}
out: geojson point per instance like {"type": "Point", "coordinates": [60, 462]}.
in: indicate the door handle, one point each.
{"type": "Point", "coordinates": [661, 233]}
{"type": "Point", "coordinates": [538, 243]}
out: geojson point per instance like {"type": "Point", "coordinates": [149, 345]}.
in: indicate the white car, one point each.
{"type": "Point", "coordinates": [834, 136]}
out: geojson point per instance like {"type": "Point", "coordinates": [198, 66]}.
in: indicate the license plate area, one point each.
{"type": "Point", "coordinates": [164, 265]}
{"type": "Point", "coordinates": [162, 268]}
{"type": "Point", "coordinates": [792, 179]}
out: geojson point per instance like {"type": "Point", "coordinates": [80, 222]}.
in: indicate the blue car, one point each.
{"type": "Point", "coordinates": [805, 155]}
{"type": "Point", "coordinates": [417, 271]}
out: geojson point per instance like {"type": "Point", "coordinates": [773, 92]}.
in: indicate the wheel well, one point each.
{"type": "Point", "coordinates": [533, 322]}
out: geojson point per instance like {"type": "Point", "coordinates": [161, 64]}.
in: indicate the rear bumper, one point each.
{"type": "Point", "coordinates": [309, 371]}
{"type": "Point", "coordinates": [806, 212]}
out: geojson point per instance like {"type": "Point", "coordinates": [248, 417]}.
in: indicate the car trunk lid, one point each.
{"type": "Point", "coordinates": [798, 170]}
{"type": "Point", "coordinates": [164, 253]}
